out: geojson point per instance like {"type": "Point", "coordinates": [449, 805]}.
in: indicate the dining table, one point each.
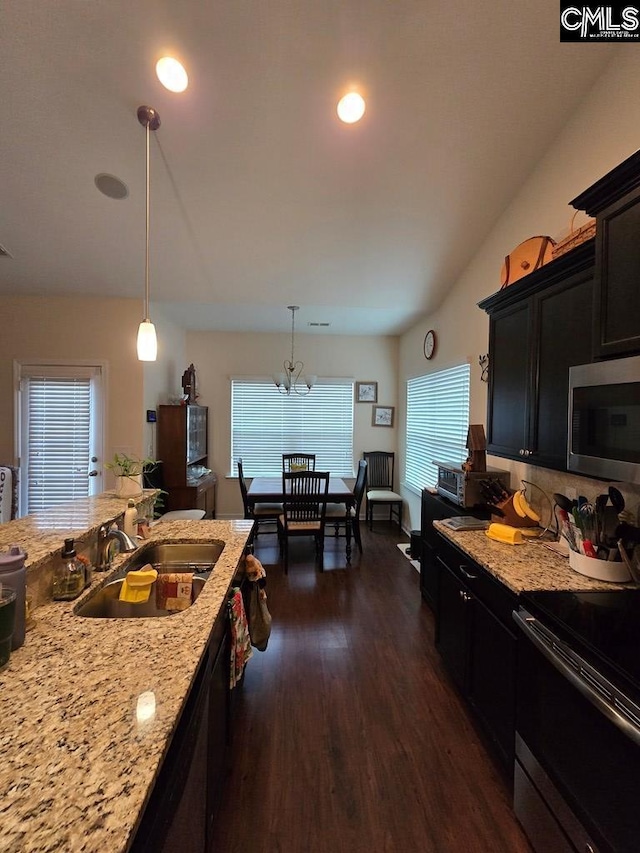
{"type": "Point", "coordinates": [269, 490]}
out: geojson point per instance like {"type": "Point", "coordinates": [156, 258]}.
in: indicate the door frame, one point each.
{"type": "Point", "coordinates": [19, 366]}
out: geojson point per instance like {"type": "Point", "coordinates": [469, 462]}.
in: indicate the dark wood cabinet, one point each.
{"type": "Point", "coordinates": [187, 793]}
{"type": "Point", "coordinates": [614, 201]}
{"type": "Point", "coordinates": [538, 328]}
{"type": "Point", "coordinates": [477, 643]}
{"type": "Point", "coordinates": [183, 449]}
{"type": "Point", "coordinates": [434, 507]}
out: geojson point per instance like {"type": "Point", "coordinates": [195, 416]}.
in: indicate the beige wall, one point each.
{"type": "Point", "coordinates": [218, 356]}
{"type": "Point", "coordinates": [601, 134]}
{"type": "Point", "coordinates": [67, 328]}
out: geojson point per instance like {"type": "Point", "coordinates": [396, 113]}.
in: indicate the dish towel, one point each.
{"type": "Point", "coordinates": [173, 590]}
{"type": "Point", "coordinates": [240, 640]}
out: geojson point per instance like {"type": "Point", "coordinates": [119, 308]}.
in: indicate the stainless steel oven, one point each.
{"type": "Point", "coordinates": [577, 769]}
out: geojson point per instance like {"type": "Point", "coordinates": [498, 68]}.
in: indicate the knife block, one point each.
{"type": "Point", "coordinates": [511, 517]}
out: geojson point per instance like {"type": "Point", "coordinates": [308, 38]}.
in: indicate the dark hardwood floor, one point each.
{"type": "Point", "coordinates": [348, 735]}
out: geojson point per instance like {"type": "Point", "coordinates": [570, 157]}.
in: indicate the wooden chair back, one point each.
{"type": "Point", "coordinates": [298, 461]}
{"type": "Point", "coordinates": [380, 470]}
{"type": "Point", "coordinates": [305, 496]}
{"type": "Point", "coordinates": [243, 490]}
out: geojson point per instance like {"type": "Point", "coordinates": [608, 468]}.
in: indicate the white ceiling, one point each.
{"type": "Point", "coordinates": [260, 196]}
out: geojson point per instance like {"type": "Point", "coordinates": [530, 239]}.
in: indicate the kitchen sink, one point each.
{"type": "Point", "coordinates": [196, 557]}
{"type": "Point", "coordinates": [105, 604]}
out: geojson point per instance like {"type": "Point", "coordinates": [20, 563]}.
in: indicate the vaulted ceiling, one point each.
{"type": "Point", "coordinates": [260, 196]}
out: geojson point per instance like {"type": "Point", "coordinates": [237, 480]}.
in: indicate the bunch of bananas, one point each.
{"type": "Point", "coordinates": [522, 507]}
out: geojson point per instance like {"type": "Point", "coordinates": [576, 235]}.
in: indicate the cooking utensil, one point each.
{"type": "Point", "coordinates": [616, 499]}
{"type": "Point", "coordinates": [601, 502]}
{"type": "Point", "coordinates": [563, 502]}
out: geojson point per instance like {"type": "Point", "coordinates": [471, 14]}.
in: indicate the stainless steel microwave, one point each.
{"type": "Point", "coordinates": [604, 420]}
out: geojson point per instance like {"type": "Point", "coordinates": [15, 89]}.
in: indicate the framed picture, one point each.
{"type": "Point", "coordinates": [366, 392]}
{"type": "Point", "coordinates": [382, 416]}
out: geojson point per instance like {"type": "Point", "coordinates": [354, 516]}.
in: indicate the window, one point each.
{"type": "Point", "coordinates": [265, 424]}
{"type": "Point", "coordinates": [437, 423]}
{"type": "Point", "coordinates": [60, 434]}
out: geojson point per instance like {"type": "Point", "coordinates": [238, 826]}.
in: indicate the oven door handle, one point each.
{"type": "Point", "coordinates": [624, 714]}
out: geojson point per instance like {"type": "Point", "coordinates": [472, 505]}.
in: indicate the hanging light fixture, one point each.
{"type": "Point", "coordinates": [147, 340]}
{"type": "Point", "coordinates": [287, 382]}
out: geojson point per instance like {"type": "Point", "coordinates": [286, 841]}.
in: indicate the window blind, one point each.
{"type": "Point", "coordinates": [58, 431]}
{"type": "Point", "coordinates": [265, 424]}
{"type": "Point", "coordinates": [437, 423]}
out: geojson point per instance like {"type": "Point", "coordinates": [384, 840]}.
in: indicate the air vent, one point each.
{"type": "Point", "coordinates": [5, 253]}
{"type": "Point", "coordinates": [319, 324]}
{"type": "Point", "coordinates": [111, 186]}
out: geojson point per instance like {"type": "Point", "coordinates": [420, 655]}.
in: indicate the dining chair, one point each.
{"type": "Point", "coordinates": [336, 514]}
{"type": "Point", "coordinates": [380, 492]}
{"type": "Point", "coordinates": [261, 513]}
{"type": "Point", "coordinates": [298, 461]}
{"type": "Point", "coordinates": [304, 508]}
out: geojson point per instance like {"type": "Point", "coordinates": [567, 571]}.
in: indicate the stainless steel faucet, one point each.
{"type": "Point", "coordinates": [107, 535]}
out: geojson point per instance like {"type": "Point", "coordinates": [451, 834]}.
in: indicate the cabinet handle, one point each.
{"type": "Point", "coordinates": [465, 595]}
{"type": "Point", "coordinates": [521, 451]}
{"type": "Point", "coordinates": [467, 574]}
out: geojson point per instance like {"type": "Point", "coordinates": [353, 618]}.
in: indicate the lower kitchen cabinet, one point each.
{"type": "Point", "coordinates": [434, 507]}
{"type": "Point", "coordinates": [185, 799]}
{"type": "Point", "coordinates": [477, 644]}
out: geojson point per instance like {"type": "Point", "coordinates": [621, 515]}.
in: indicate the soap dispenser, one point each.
{"type": "Point", "coordinates": [130, 520]}
{"type": "Point", "coordinates": [68, 575]}
{"type": "Point", "coordinates": [14, 575]}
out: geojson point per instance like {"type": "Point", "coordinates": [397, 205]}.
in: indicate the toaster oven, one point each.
{"type": "Point", "coordinates": [463, 487]}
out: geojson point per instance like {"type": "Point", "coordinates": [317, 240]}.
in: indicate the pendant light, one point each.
{"type": "Point", "coordinates": [147, 341]}
{"type": "Point", "coordinates": [287, 382]}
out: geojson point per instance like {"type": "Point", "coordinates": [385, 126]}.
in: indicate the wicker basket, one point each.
{"type": "Point", "coordinates": [575, 238]}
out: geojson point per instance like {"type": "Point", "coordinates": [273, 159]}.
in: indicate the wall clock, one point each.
{"type": "Point", "coordinates": [429, 344]}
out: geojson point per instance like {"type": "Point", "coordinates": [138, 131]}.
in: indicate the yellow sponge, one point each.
{"type": "Point", "coordinates": [136, 587]}
{"type": "Point", "coordinates": [505, 533]}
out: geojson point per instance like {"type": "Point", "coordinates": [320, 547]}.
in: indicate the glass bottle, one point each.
{"type": "Point", "coordinates": [68, 575]}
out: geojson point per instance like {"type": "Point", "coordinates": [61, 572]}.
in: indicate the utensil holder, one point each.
{"type": "Point", "coordinates": [603, 570]}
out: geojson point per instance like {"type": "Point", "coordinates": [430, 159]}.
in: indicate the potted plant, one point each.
{"type": "Point", "coordinates": [128, 473]}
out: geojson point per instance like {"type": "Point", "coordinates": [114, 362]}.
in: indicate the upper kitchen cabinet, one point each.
{"type": "Point", "coordinates": [183, 446]}
{"type": "Point", "coordinates": [538, 328]}
{"type": "Point", "coordinates": [614, 200]}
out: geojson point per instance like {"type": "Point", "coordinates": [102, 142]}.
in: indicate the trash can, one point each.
{"type": "Point", "coordinates": [415, 549]}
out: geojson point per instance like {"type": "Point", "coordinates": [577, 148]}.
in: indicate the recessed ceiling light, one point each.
{"type": "Point", "coordinates": [172, 74]}
{"type": "Point", "coordinates": [111, 186]}
{"type": "Point", "coordinates": [351, 108]}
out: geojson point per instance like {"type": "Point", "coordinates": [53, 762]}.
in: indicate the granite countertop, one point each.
{"type": "Point", "coordinates": [524, 568]}
{"type": "Point", "coordinates": [77, 767]}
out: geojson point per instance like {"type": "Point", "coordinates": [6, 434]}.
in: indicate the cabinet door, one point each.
{"type": "Point", "coordinates": [431, 507]}
{"type": "Point", "coordinates": [428, 573]}
{"type": "Point", "coordinates": [617, 322]}
{"type": "Point", "coordinates": [491, 680]}
{"type": "Point", "coordinates": [509, 389]}
{"type": "Point", "coordinates": [219, 723]}
{"type": "Point", "coordinates": [563, 328]}
{"type": "Point", "coordinates": [175, 819]}
{"type": "Point", "coordinates": [453, 622]}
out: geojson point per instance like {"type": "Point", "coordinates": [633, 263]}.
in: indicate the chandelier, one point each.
{"type": "Point", "coordinates": [287, 382]}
